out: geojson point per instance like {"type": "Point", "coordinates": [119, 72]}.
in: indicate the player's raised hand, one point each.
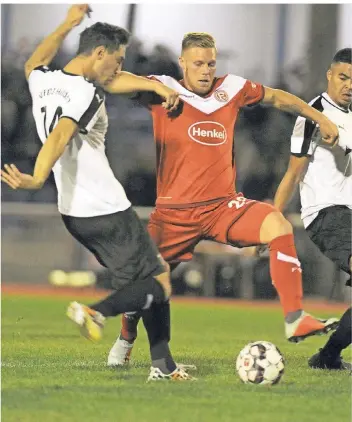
{"type": "Point", "coordinates": [17, 180]}
{"type": "Point", "coordinates": [170, 96]}
{"type": "Point", "coordinates": [329, 131]}
{"type": "Point", "coordinates": [76, 14]}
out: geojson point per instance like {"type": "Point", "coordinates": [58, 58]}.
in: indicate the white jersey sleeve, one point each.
{"type": "Point", "coordinates": [85, 106]}
{"type": "Point", "coordinates": [302, 143]}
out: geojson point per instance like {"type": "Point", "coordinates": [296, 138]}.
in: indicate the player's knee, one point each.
{"type": "Point", "coordinates": [282, 227]}
{"type": "Point", "coordinates": [274, 225]}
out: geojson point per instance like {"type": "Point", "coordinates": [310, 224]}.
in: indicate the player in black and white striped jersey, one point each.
{"type": "Point", "coordinates": [71, 120]}
{"type": "Point", "coordinates": [324, 174]}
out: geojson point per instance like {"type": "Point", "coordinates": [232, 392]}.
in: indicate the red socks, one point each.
{"type": "Point", "coordinates": [286, 273]}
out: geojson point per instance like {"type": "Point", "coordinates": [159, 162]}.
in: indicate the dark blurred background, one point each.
{"type": "Point", "coordinates": [284, 46]}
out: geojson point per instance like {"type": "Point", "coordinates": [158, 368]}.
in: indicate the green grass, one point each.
{"type": "Point", "coordinates": [50, 374]}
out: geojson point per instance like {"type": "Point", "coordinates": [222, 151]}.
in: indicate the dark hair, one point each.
{"type": "Point", "coordinates": [343, 56]}
{"type": "Point", "coordinates": [102, 34]}
{"type": "Point", "coordinates": [197, 39]}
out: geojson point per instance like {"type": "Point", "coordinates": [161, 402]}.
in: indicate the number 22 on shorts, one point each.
{"type": "Point", "coordinates": [239, 202]}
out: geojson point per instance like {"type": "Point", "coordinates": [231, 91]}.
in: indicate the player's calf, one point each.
{"type": "Point", "coordinates": [135, 296]}
{"type": "Point", "coordinates": [120, 352]}
{"type": "Point", "coordinates": [285, 268]}
{"type": "Point", "coordinates": [286, 274]}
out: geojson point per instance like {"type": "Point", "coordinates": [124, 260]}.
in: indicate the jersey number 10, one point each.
{"type": "Point", "coordinates": [57, 115]}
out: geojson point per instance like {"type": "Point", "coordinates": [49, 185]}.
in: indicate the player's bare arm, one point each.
{"type": "Point", "coordinates": [296, 169]}
{"type": "Point", "coordinates": [290, 103]}
{"type": "Point", "coordinates": [50, 152]}
{"type": "Point", "coordinates": [47, 49]}
{"type": "Point", "coordinates": [126, 82]}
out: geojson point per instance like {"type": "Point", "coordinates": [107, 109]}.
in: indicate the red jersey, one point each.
{"type": "Point", "coordinates": [195, 150]}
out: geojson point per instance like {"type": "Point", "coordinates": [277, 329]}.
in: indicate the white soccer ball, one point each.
{"type": "Point", "coordinates": [260, 363]}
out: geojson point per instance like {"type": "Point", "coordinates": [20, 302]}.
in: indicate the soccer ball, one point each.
{"type": "Point", "coordinates": [261, 363]}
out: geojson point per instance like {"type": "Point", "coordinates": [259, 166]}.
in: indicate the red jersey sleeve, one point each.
{"type": "Point", "coordinates": [252, 93]}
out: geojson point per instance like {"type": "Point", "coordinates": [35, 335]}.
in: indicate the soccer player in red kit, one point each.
{"type": "Point", "coordinates": [196, 173]}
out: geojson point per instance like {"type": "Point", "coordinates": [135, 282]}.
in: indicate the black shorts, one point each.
{"type": "Point", "coordinates": [331, 232]}
{"type": "Point", "coordinates": [120, 242]}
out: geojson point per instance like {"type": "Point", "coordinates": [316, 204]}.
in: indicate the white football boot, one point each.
{"type": "Point", "coordinates": [120, 353]}
{"type": "Point", "coordinates": [179, 374]}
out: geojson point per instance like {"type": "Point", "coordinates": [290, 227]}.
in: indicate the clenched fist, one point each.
{"type": "Point", "coordinates": [76, 14]}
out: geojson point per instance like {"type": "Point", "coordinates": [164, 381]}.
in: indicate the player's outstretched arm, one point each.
{"type": "Point", "coordinates": [291, 179]}
{"type": "Point", "coordinates": [126, 82]}
{"type": "Point", "coordinates": [47, 49]}
{"type": "Point", "coordinates": [50, 152]}
{"type": "Point", "coordinates": [294, 105]}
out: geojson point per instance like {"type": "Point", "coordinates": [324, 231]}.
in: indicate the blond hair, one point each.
{"type": "Point", "coordinates": [197, 39]}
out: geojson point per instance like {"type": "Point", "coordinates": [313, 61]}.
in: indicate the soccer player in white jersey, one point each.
{"type": "Point", "coordinates": [324, 175]}
{"type": "Point", "coordinates": [71, 120]}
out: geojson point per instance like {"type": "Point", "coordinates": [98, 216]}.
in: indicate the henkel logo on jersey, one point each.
{"type": "Point", "coordinates": [208, 133]}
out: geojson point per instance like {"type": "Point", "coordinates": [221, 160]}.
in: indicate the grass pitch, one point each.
{"type": "Point", "coordinates": [51, 374]}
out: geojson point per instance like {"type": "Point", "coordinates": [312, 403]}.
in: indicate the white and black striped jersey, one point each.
{"type": "Point", "coordinates": [85, 182]}
{"type": "Point", "coordinates": [328, 179]}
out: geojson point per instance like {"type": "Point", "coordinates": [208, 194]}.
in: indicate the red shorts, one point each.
{"type": "Point", "coordinates": [177, 231]}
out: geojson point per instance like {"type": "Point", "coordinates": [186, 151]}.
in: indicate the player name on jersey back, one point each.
{"type": "Point", "coordinates": [85, 182]}
{"type": "Point", "coordinates": [195, 152]}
